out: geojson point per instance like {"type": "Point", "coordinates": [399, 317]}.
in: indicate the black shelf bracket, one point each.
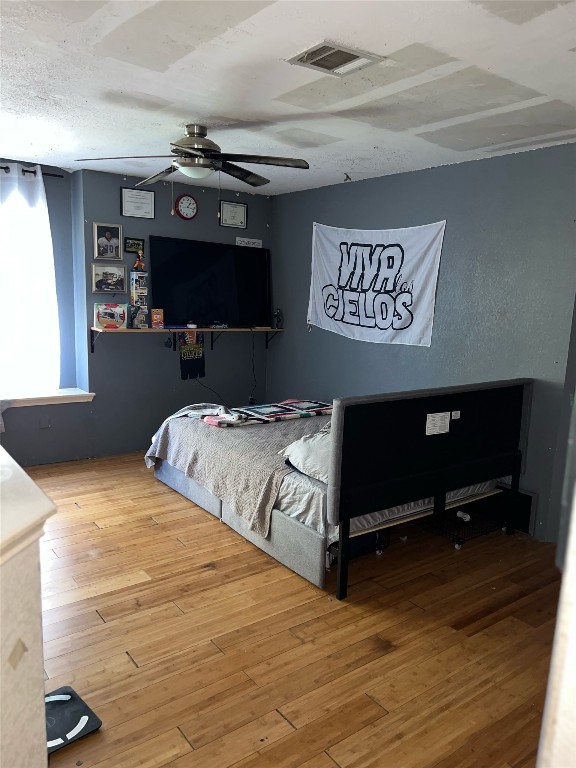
{"type": "Point", "coordinates": [93, 335]}
{"type": "Point", "coordinates": [270, 336]}
{"type": "Point", "coordinates": [214, 338]}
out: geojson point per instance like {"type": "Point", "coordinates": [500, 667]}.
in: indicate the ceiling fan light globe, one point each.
{"type": "Point", "coordinates": [196, 172]}
{"type": "Point", "coordinates": [195, 167]}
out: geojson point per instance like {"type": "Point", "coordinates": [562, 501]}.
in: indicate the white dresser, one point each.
{"type": "Point", "coordinates": [23, 511]}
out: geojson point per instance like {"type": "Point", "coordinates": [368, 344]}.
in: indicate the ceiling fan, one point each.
{"type": "Point", "coordinates": [197, 156]}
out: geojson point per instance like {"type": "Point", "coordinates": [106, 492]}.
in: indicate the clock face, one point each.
{"type": "Point", "coordinates": [186, 207]}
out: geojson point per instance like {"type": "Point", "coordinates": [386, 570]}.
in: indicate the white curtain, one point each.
{"type": "Point", "coordinates": [29, 331]}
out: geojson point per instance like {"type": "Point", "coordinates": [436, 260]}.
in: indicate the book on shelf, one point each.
{"type": "Point", "coordinates": [157, 316]}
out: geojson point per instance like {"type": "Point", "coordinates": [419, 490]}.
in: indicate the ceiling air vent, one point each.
{"type": "Point", "coordinates": [334, 59]}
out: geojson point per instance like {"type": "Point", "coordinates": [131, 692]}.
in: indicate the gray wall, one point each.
{"type": "Point", "coordinates": [564, 476]}
{"type": "Point", "coordinates": [135, 377]}
{"type": "Point", "coordinates": [504, 300]}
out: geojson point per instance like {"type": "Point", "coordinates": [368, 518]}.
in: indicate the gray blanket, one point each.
{"type": "Point", "coordinates": [239, 466]}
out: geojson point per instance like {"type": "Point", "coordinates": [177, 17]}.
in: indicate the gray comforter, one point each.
{"type": "Point", "coordinates": [240, 466]}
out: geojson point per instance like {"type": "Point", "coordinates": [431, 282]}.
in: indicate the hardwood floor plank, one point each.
{"type": "Point", "coordinates": [196, 648]}
{"type": "Point", "coordinates": [306, 742]}
{"type": "Point", "coordinates": [110, 634]}
{"type": "Point", "coordinates": [93, 676]}
{"type": "Point", "coordinates": [541, 606]}
{"type": "Point", "coordinates": [179, 514]}
{"type": "Point", "coordinates": [57, 527]}
{"type": "Point", "coordinates": [324, 698]}
{"type": "Point", "coordinates": [177, 588]}
{"type": "Point", "coordinates": [146, 629]}
{"type": "Point", "coordinates": [472, 692]}
{"type": "Point", "coordinates": [242, 743]}
{"type": "Point", "coordinates": [187, 671]}
{"type": "Point", "coordinates": [71, 626]}
{"type": "Point", "coordinates": [259, 581]}
{"type": "Point", "coordinates": [289, 617]}
{"type": "Point", "coordinates": [402, 687]}
{"type": "Point", "coordinates": [323, 760]}
{"type": "Point", "coordinates": [316, 650]}
{"type": "Point", "coordinates": [96, 589]}
{"type": "Point", "coordinates": [187, 630]}
{"type": "Point", "coordinates": [206, 727]}
{"type": "Point", "coordinates": [197, 579]}
{"type": "Point", "coordinates": [154, 753]}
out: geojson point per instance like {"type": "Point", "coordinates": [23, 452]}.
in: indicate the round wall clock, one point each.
{"type": "Point", "coordinates": [185, 206]}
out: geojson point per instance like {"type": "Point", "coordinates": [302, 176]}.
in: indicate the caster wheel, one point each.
{"type": "Point", "coordinates": [379, 552]}
{"type": "Point", "coordinates": [504, 529]}
{"type": "Point", "coordinates": [457, 546]}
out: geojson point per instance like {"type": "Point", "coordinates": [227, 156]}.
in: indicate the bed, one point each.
{"type": "Point", "coordinates": [388, 459]}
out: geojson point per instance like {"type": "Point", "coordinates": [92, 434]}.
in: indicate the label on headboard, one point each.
{"type": "Point", "coordinates": [437, 423]}
{"type": "Point", "coordinates": [248, 243]}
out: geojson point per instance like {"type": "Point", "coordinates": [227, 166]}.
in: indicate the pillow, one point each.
{"type": "Point", "coordinates": [310, 455]}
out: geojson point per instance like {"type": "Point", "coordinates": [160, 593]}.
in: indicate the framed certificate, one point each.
{"type": "Point", "coordinates": [233, 214]}
{"type": "Point", "coordinates": [138, 203]}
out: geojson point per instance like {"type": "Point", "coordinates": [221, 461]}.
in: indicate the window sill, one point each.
{"type": "Point", "coordinates": [68, 395]}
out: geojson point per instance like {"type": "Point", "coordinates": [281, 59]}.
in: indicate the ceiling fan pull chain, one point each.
{"type": "Point", "coordinates": [219, 193]}
{"type": "Point", "coordinates": [172, 186]}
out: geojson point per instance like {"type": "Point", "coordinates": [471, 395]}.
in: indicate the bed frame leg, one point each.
{"type": "Point", "coordinates": [511, 512]}
{"type": "Point", "coordinates": [440, 506]}
{"type": "Point", "coordinates": [343, 557]}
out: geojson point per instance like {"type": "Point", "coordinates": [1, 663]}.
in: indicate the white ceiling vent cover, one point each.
{"type": "Point", "coordinates": [333, 59]}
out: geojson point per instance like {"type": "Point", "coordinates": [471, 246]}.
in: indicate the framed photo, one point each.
{"type": "Point", "coordinates": [108, 278]}
{"type": "Point", "coordinates": [132, 245]}
{"type": "Point", "coordinates": [138, 203]}
{"type": "Point", "coordinates": [233, 214]}
{"type": "Point", "coordinates": [110, 316]}
{"type": "Point", "coordinates": [108, 241]}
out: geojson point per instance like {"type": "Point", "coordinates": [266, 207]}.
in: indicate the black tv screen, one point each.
{"type": "Point", "coordinates": [207, 283]}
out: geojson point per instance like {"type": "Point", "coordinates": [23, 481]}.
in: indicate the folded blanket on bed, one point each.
{"type": "Point", "coordinates": [240, 466]}
{"type": "Point", "coordinates": [270, 413]}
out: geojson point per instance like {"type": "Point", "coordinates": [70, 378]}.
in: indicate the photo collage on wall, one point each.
{"type": "Point", "coordinates": [109, 278]}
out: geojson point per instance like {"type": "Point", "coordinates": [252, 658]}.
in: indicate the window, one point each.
{"type": "Point", "coordinates": [29, 331]}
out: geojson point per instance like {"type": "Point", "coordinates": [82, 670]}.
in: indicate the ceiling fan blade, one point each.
{"type": "Point", "coordinates": [128, 157]}
{"type": "Point", "coordinates": [287, 162]}
{"type": "Point", "coordinates": [188, 150]}
{"type": "Point", "coordinates": [244, 175]}
{"type": "Point", "coordinates": [156, 177]}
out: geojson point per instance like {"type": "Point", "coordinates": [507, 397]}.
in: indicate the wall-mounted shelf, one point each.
{"type": "Point", "coordinates": [214, 333]}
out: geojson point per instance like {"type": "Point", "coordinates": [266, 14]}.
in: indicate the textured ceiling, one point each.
{"type": "Point", "coordinates": [459, 80]}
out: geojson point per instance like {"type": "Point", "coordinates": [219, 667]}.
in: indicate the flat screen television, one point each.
{"type": "Point", "coordinates": [206, 283]}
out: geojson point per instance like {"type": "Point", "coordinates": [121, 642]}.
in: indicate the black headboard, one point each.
{"type": "Point", "coordinates": [383, 456]}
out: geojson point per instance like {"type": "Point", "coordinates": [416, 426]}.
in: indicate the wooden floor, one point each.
{"type": "Point", "coordinates": [196, 649]}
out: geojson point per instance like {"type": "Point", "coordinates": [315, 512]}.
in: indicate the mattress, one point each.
{"type": "Point", "coordinates": [241, 466]}
{"type": "Point", "coordinates": [304, 499]}
{"type": "Point", "coordinates": [229, 467]}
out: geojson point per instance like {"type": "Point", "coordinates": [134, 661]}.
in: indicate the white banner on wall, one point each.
{"type": "Point", "coordinates": [376, 285]}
